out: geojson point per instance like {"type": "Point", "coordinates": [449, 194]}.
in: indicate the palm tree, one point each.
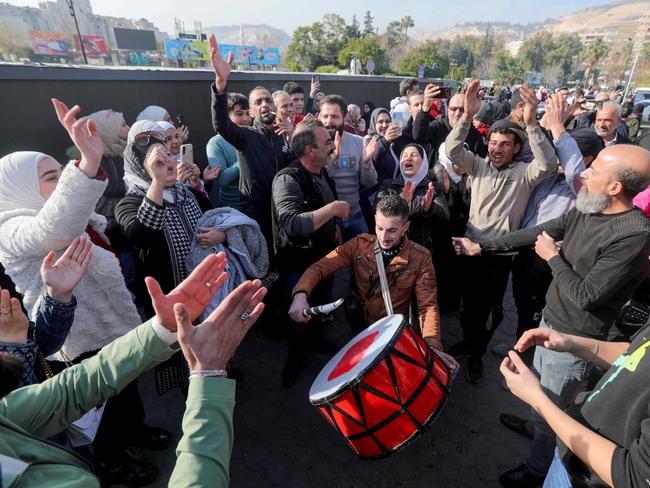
{"type": "Point", "coordinates": [596, 51]}
{"type": "Point", "coordinates": [405, 24]}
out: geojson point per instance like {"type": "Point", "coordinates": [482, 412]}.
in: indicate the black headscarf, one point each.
{"type": "Point", "coordinates": [366, 115]}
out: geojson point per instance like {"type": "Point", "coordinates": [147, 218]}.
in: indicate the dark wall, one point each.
{"type": "Point", "coordinates": [28, 120]}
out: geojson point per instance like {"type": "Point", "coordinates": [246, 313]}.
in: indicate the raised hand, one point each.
{"type": "Point", "coordinates": [368, 151]}
{"type": "Point", "coordinates": [473, 100]}
{"type": "Point", "coordinates": [408, 191]}
{"type": "Point", "coordinates": [83, 133]}
{"type": "Point", "coordinates": [13, 322]}
{"type": "Point", "coordinates": [393, 132]}
{"type": "Point", "coordinates": [211, 344]}
{"type": "Point", "coordinates": [194, 292]}
{"type": "Point", "coordinates": [530, 107]}
{"type": "Point", "coordinates": [430, 93]}
{"type": "Point", "coordinates": [285, 129]}
{"type": "Point", "coordinates": [220, 67]}
{"type": "Point", "coordinates": [63, 275]}
{"type": "Point", "coordinates": [210, 173]}
{"type": "Point", "coordinates": [334, 156]}
{"type": "Point", "coordinates": [427, 200]}
{"type": "Point", "coordinates": [157, 163]}
{"type": "Point", "coordinates": [314, 88]}
{"type": "Point", "coordinates": [184, 133]}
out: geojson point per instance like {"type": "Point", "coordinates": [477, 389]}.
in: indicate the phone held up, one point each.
{"type": "Point", "coordinates": [187, 153]}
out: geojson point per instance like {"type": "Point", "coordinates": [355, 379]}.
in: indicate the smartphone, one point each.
{"type": "Point", "coordinates": [187, 153]}
{"type": "Point", "coordinates": [315, 79]}
{"type": "Point", "coordinates": [180, 122]}
{"type": "Point", "coordinates": [445, 92]}
{"type": "Point", "coordinates": [398, 119]}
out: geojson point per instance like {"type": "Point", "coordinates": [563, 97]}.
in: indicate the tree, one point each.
{"type": "Point", "coordinates": [363, 49]}
{"type": "Point", "coordinates": [405, 24]}
{"type": "Point", "coordinates": [13, 42]}
{"type": "Point", "coordinates": [368, 27]}
{"type": "Point", "coordinates": [507, 69]}
{"type": "Point", "coordinates": [564, 53]}
{"type": "Point", "coordinates": [594, 53]}
{"type": "Point", "coordinates": [532, 54]}
{"type": "Point", "coordinates": [427, 55]}
{"type": "Point", "coordinates": [460, 52]}
{"type": "Point", "coordinates": [317, 44]}
{"type": "Point", "coordinates": [393, 34]}
{"type": "Point", "coordinates": [352, 31]}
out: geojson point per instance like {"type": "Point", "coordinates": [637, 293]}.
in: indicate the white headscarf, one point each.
{"type": "Point", "coordinates": [164, 125]}
{"type": "Point", "coordinates": [152, 112]}
{"type": "Point", "coordinates": [140, 127]}
{"type": "Point", "coordinates": [422, 171]}
{"type": "Point", "coordinates": [19, 181]}
{"type": "Point", "coordinates": [447, 164]}
{"type": "Point", "coordinates": [108, 124]}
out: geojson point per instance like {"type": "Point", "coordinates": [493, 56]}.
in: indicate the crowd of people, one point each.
{"type": "Point", "coordinates": [461, 192]}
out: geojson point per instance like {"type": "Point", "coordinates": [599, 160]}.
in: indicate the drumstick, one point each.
{"type": "Point", "coordinates": [323, 309]}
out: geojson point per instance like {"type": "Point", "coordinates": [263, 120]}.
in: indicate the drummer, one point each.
{"type": "Point", "coordinates": [408, 265]}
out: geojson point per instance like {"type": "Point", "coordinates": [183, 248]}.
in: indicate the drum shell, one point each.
{"type": "Point", "coordinates": [393, 400]}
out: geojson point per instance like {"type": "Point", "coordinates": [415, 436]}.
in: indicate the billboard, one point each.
{"type": "Point", "coordinates": [251, 54]}
{"type": "Point", "coordinates": [187, 50]}
{"type": "Point", "coordinates": [136, 40]}
{"type": "Point", "coordinates": [95, 46]}
{"type": "Point", "coordinates": [49, 43]}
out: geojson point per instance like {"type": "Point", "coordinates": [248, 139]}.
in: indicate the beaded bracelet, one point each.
{"type": "Point", "coordinates": [209, 373]}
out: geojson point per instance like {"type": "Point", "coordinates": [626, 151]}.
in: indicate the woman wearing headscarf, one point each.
{"type": "Point", "coordinates": [366, 111]}
{"type": "Point", "coordinates": [44, 207]}
{"type": "Point", "coordinates": [159, 214]}
{"type": "Point", "coordinates": [154, 113]}
{"type": "Point", "coordinates": [427, 208]}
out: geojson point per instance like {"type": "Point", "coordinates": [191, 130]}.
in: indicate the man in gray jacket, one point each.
{"type": "Point", "coordinates": [501, 188]}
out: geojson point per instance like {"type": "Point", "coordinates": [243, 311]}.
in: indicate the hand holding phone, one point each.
{"type": "Point", "coordinates": [187, 153]}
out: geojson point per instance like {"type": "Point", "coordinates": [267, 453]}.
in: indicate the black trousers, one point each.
{"type": "Point", "coordinates": [531, 277]}
{"type": "Point", "coordinates": [484, 283]}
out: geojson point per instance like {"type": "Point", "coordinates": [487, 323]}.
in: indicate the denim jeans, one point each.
{"type": "Point", "coordinates": [562, 376]}
{"type": "Point", "coordinates": [353, 226]}
{"type": "Point", "coordinates": [557, 476]}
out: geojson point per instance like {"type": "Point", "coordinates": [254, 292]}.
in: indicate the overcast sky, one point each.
{"type": "Point", "coordinates": [287, 15]}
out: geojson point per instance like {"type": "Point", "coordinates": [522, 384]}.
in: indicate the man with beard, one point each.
{"type": "Point", "coordinates": [353, 168]}
{"type": "Point", "coordinates": [602, 260]}
{"type": "Point", "coordinates": [262, 149]}
{"type": "Point", "coordinates": [500, 189]}
{"type": "Point", "coordinates": [427, 130]}
{"type": "Point", "coordinates": [305, 209]}
{"type": "Point", "coordinates": [608, 120]}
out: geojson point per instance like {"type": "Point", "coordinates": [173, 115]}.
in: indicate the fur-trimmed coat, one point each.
{"type": "Point", "coordinates": [105, 308]}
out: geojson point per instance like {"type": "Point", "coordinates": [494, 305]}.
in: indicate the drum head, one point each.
{"type": "Point", "coordinates": [355, 358]}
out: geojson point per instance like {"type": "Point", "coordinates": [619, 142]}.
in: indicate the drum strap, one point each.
{"type": "Point", "coordinates": [381, 271]}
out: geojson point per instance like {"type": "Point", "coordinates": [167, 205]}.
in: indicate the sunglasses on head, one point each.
{"type": "Point", "coordinates": [147, 139]}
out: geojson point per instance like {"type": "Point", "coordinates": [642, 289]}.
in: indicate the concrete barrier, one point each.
{"type": "Point", "coordinates": [28, 121]}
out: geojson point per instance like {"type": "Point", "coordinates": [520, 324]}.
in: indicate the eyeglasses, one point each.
{"type": "Point", "coordinates": [146, 139]}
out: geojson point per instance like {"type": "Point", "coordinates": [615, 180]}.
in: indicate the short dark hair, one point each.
{"type": "Point", "coordinates": [258, 87]}
{"type": "Point", "coordinates": [407, 84]}
{"type": "Point", "coordinates": [336, 100]}
{"type": "Point", "coordinates": [393, 205]}
{"type": "Point", "coordinates": [507, 131]}
{"type": "Point", "coordinates": [304, 135]}
{"type": "Point", "coordinates": [237, 100]}
{"type": "Point", "coordinates": [633, 182]}
{"type": "Point", "coordinates": [414, 94]}
{"type": "Point", "coordinates": [292, 87]}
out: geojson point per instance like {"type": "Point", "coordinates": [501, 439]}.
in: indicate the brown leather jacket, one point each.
{"type": "Point", "coordinates": [410, 274]}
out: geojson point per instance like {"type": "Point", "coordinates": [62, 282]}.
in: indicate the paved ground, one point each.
{"type": "Point", "coordinates": [282, 441]}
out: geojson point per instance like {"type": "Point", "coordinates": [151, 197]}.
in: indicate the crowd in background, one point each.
{"type": "Point", "coordinates": [462, 190]}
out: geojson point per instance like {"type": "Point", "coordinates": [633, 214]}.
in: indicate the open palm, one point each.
{"type": "Point", "coordinates": [83, 132]}
{"type": "Point", "coordinates": [473, 99]}
{"type": "Point", "coordinates": [63, 275]}
{"type": "Point", "coordinates": [195, 291]}
{"type": "Point", "coordinates": [221, 67]}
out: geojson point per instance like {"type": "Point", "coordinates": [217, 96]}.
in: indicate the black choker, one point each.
{"type": "Point", "coordinates": [393, 251]}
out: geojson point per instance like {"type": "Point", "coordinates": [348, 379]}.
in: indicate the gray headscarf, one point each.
{"type": "Point", "coordinates": [372, 130]}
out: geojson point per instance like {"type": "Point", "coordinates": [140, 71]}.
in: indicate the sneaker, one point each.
{"type": "Point", "coordinates": [474, 372]}
{"type": "Point", "coordinates": [459, 350]}
{"type": "Point", "coordinates": [502, 349]}
{"type": "Point", "coordinates": [520, 477]}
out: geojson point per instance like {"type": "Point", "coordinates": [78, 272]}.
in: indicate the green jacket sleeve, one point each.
{"type": "Point", "coordinates": [47, 408]}
{"type": "Point", "coordinates": [203, 453]}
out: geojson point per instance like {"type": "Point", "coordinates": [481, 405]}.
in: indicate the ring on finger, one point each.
{"type": "Point", "coordinates": [245, 316]}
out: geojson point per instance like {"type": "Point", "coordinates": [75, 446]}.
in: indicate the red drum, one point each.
{"type": "Point", "coordinates": [382, 389]}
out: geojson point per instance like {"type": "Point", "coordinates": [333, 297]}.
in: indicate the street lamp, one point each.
{"type": "Point", "coordinates": [74, 16]}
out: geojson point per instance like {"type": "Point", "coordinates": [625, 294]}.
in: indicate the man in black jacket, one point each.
{"type": "Point", "coordinates": [262, 149]}
{"type": "Point", "coordinates": [427, 130]}
{"type": "Point", "coordinates": [603, 259]}
{"type": "Point", "coordinates": [305, 208]}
